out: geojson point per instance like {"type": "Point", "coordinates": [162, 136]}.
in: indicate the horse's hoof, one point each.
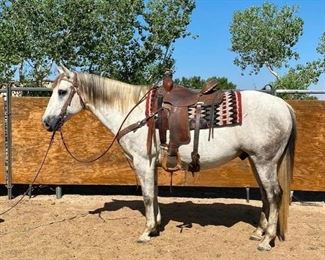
{"type": "Point", "coordinates": [143, 239]}
{"type": "Point", "coordinates": [256, 237]}
{"type": "Point", "coordinates": [264, 247]}
{"type": "Point", "coordinates": [154, 233]}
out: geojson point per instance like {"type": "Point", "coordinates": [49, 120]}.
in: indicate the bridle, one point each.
{"type": "Point", "coordinates": [74, 90]}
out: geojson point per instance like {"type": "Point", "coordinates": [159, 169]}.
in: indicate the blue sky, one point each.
{"type": "Point", "coordinates": [210, 55]}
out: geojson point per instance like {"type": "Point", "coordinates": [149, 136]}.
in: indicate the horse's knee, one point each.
{"type": "Point", "coordinates": [277, 194]}
{"type": "Point", "coordinates": [274, 193]}
{"type": "Point", "coordinates": [148, 200]}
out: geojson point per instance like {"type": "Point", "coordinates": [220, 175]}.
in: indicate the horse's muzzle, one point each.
{"type": "Point", "coordinates": [52, 123]}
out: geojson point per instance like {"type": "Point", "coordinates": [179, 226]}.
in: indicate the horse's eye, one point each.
{"type": "Point", "coordinates": [62, 92]}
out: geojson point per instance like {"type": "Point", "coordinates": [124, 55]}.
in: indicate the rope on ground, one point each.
{"type": "Point", "coordinates": [33, 181]}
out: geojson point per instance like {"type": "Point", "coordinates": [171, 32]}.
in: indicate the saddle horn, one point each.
{"type": "Point", "coordinates": [168, 80]}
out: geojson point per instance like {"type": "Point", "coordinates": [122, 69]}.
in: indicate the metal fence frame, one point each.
{"type": "Point", "coordinates": [8, 130]}
{"type": "Point", "coordinates": [8, 127]}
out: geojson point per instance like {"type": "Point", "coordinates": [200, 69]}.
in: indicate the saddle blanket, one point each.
{"type": "Point", "coordinates": [229, 112]}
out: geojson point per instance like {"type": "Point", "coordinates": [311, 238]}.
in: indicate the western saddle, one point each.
{"type": "Point", "coordinates": [179, 111]}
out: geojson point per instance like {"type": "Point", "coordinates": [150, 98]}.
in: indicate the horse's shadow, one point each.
{"type": "Point", "coordinates": [187, 213]}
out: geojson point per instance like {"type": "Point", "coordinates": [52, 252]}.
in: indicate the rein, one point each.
{"type": "Point", "coordinates": [63, 113]}
{"type": "Point", "coordinates": [120, 133]}
{"type": "Point", "coordinates": [35, 177]}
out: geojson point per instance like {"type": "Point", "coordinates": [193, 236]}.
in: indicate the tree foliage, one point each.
{"type": "Point", "coordinates": [264, 36]}
{"type": "Point", "coordinates": [303, 75]}
{"type": "Point", "coordinates": [122, 39]}
{"type": "Point", "coordinates": [300, 77]}
{"type": "Point", "coordinates": [197, 82]}
{"type": "Point", "coordinates": [321, 46]}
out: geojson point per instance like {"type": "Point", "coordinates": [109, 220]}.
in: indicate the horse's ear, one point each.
{"type": "Point", "coordinates": [65, 70]}
{"type": "Point", "coordinates": [60, 69]}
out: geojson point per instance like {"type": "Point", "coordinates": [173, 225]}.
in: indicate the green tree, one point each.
{"type": "Point", "coordinates": [191, 82]}
{"type": "Point", "coordinates": [264, 37]}
{"type": "Point", "coordinates": [321, 46]}
{"type": "Point", "coordinates": [224, 83]}
{"type": "Point", "coordinates": [197, 82]}
{"type": "Point", "coordinates": [122, 39]}
{"type": "Point", "coordinates": [302, 76]}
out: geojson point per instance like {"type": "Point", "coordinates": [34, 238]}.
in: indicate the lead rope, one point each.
{"type": "Point", "coordinates": [34, 179]}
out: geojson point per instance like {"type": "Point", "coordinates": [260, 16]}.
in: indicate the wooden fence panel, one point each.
{"type": "Point", "coordinates": [309, 173]}
{"type": "Point", "coordinates": [86, 136]}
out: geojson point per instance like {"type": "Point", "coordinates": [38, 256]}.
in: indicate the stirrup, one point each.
{"type": "Point", "coordinates": [168, 162]}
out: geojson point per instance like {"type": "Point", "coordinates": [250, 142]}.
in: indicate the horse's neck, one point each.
{"type": "Point", "coordinates": [104, 97]}
{"type": "Point", "coordinates": [112, 117]}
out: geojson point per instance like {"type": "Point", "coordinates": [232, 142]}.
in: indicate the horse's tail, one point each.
{"type": "Point", "coordinates": [285, 175]}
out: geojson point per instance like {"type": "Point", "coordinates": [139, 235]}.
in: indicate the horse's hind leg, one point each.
{"type": "Point", "coordinates": [262, 224]}
{"type": "Point", "coordinates": [267, 172]}
{"type": "Point", "coordinates": [147, 180]}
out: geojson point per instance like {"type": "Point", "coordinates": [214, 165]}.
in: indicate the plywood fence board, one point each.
{"type": "Point", "coordinates": [86, 137]}
{"type": "Point", "coordinates": [309, 173]}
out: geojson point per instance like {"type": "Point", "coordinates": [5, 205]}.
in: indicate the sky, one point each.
{"type": "Point", "coordinates": [210, 55]}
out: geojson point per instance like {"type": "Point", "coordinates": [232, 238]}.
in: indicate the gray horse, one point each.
{"type": "Point", "coordinates": [267, 135]}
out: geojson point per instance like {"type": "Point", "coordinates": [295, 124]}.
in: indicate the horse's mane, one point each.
{"type": "Point", "coordinates": [100, 91]}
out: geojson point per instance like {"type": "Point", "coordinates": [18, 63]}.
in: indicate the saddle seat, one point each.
{"type": "Point", "coordinates": [180, 96]}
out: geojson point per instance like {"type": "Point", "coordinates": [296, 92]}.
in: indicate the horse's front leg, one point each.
{"type": "Point", "coordinates": [147, 174]}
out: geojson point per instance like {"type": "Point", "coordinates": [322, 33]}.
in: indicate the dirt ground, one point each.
{"type": "Point", "coordinates": [107, 227]}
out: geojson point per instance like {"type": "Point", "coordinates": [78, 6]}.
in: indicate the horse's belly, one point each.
{"type": "Point", "coordinates": [219, 150]}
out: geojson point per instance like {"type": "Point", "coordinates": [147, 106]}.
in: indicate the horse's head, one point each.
{"type": "Point", "coordinates": [64, 102]}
